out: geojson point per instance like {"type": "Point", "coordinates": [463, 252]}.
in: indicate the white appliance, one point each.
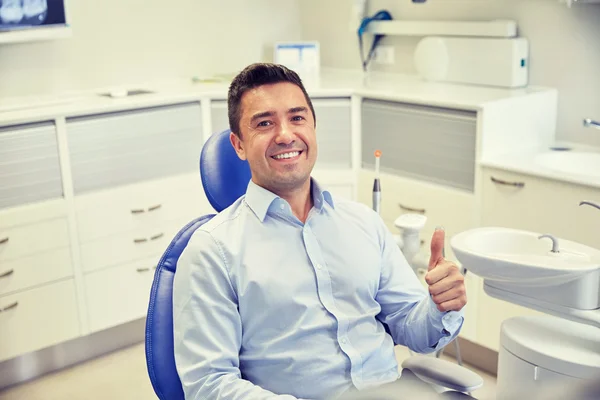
{"type": "Point", "coordinates": [502, 62]}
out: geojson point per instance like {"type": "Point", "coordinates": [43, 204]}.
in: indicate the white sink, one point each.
{"type": "Point", "coordinates": [518, 267]}
{"type": "Point", "coordinates": [571, 162]}
{"type": "Point", "coordinates": [503, 254]}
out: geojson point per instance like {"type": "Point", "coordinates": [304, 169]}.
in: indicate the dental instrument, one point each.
{"type": "Point", "coordinates": [377, 185]}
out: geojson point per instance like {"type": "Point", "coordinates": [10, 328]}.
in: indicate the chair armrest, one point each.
{"type": "Point", "coordinates": [443, 373]}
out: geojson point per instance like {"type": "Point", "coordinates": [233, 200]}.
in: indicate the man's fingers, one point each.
{"type": "Point", "coordinates": [453, 305]}
{"type": "Point", "coordinates": [443, 285]}
{"type": "Point", "coordinates": [455, 292]}
{"type": "Point", "coordinates": [437, 247]}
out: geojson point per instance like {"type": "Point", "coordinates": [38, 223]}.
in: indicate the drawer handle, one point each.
{"type": "Point", "coordinates": [501, 182]}
{"type": "Point", "coordinates": [410, 209]}
{"type": "Point", "coordinates": [156, 207]}
{"type": "Point", "coordinates": [140, 240]}
{"type": "Point", "coordinates": [137, 211]}
{"type": "Point", "coordinates": [157, 236]}
{"type": "Point", "coordinates": [4, 240]}
{"type": "Point", "coordinates": [145, 269]}
{"type": "Point", "coordinates": [7, 273]}
{"type": "Point", "coordinates": [10, 306]}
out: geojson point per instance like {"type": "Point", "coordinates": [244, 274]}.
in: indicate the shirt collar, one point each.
{"type": "Point", "coordinates": [260, 199]}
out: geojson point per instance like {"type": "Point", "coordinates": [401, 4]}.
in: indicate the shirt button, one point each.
{"type": "Point", "coordinates": [318, 266]}
{"type": "Point", "coordinates": [282, 206]}
{"type": "Point", "coordinates": [343, 341]}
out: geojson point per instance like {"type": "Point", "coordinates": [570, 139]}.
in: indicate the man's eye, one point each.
{"type": "Point", "coordinates": [297, 118]}
{"type": "Point", "coordinates": [264, 123]}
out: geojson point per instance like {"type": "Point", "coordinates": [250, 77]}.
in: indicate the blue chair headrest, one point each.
{"type": "Point", "coordinates": [224, 176]}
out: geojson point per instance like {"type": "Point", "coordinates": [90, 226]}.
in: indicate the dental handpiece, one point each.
{"type": "Point", "coordinates": [377, 185]}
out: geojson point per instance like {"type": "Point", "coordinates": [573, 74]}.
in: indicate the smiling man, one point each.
{"type": "Point", "coordinates": [291, 292]}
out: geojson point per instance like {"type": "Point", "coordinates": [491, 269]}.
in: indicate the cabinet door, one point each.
{"type": "Point", "coordinates": [38, 318]}
{"type": "Point", "coordinates": [121, 148]}
{"type": "Point", "coordinates": [29, 165]}
{"type": "Point", "coordinates": [541, 205]}
{"type": "Point", "coordinates": [119, 294]}
{"type": "Point", "coordinates": [425, 143]}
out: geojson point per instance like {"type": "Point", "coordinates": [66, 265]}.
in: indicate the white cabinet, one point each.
{"type": "Point", "coordinates": [38, 318]}
{"type": "Point", "coordinates": [428, 144]}
{"type": "Point", "coordinates": [29, 164]}
{"type": "Point", "coordinates": [136, 184]}
{"type": "Point", "coordinates": [535, 204]}
{"type": "Point", "coordinates": [119, 294]}
{"type": "Point", "coordinates": [514, 200]}
{"type": "Point", "coordinates": [38, 302]}
{"type": "Point", "coordinates": [109, 150]}
{"type": "Point", "coordinates": [144, 205]}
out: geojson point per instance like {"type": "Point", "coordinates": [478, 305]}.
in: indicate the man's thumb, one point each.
{"type": "Point", "coordinates": [437, 247]}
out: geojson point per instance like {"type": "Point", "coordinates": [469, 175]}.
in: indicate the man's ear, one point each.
{"type": "Point", "coordinates": [237, 144]}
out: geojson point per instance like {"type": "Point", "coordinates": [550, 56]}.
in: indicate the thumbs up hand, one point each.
{"type": "Point", "coordinates": [446, 283]}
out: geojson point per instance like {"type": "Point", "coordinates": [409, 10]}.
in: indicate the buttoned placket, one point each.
{"type": "Point", "coordinates": [325, 293]}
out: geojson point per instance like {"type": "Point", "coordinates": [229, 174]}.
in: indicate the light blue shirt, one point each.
{"type": "Point", "coordinates": [266, 307]}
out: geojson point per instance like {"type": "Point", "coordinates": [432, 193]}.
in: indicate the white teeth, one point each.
{"type": "Point", "coordinates": [286, 155]}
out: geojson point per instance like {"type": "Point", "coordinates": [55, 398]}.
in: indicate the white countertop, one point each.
{"type": "Point", "coordinates": [331, 83]}
{"type": "Point", "coordinates": [524, 162]}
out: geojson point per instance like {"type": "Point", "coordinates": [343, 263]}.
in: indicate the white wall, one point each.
{"type": "Point", "coordinates": [135, 41]}
{"type": "Point", "coordinates": [565, 45]}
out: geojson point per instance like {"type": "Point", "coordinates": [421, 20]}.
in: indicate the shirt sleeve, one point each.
{"type": "Point", "coordinates": [207, 327]}
{"type": "Point", "coordinates": [407, 307]}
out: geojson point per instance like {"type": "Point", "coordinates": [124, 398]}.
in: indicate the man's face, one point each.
{"type": "Point", "coordinates": [277, 136]}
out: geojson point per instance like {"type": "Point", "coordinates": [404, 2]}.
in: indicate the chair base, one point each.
{"type": "Point", "coordinates": [36, 364]}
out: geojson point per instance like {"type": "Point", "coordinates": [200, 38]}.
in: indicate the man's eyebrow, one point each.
{"type": "Point", "coordinates": [262, 115]}
{"type": "Point", "coordinates": [297, 109]}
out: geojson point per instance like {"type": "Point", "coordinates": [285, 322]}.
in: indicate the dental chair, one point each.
{"type": "Point", "coordinates": [225, 178]}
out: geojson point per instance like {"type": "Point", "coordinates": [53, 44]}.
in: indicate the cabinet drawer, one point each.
{"type": "Point", "coordinates": [126, 147]}
{"type": "Point", "coordinates": [42, 317]}
{"type": "Point", "coordinates": [119, 294]}
{"type": "Point", "coordinates": [29, 165]}
{"type": "Point", "coordinates": [37, 269]}
{"type": "Point", "coordinates": [540, 205]}
{"type": "Point", "coordinates": [31, 239]}
{"type": "Point", "coordinates": [421, 142]}
{"type": "Point", "coordinates": [139, 206]}
{"type": "Point", "coordinates": [129, 246]}
{"type": "Point", "coordinates": [452, 209]}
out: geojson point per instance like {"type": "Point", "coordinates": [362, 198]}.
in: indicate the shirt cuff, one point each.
{"type": "Point", "coordinates": [447, 323]}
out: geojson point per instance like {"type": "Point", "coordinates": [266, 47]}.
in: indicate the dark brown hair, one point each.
{"type": "Point", "coordinates": [253, 76]}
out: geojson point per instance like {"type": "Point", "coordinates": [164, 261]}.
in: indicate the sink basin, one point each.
{"type": "Point", "coordinates": [571, 162]}
{"type": "Point", "coordinates": [511, 255]}
{"type": "Point", "coordinates": [519, 268]}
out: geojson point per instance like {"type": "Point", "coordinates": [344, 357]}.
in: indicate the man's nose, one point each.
{"type": "Point", "coordinates": [285, 134]}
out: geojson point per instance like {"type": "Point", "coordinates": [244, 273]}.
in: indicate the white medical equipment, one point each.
{"type": "Point", "coordinates": [560, 278]}
{"type": "Point", "coordinates": [501, 62]}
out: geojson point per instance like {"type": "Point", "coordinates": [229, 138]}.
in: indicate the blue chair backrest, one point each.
{"type": "Point", "coordinates": [224, 178]}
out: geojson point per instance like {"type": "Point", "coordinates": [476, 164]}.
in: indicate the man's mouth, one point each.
{"type": "Point", "coordinates": [290, 155]}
